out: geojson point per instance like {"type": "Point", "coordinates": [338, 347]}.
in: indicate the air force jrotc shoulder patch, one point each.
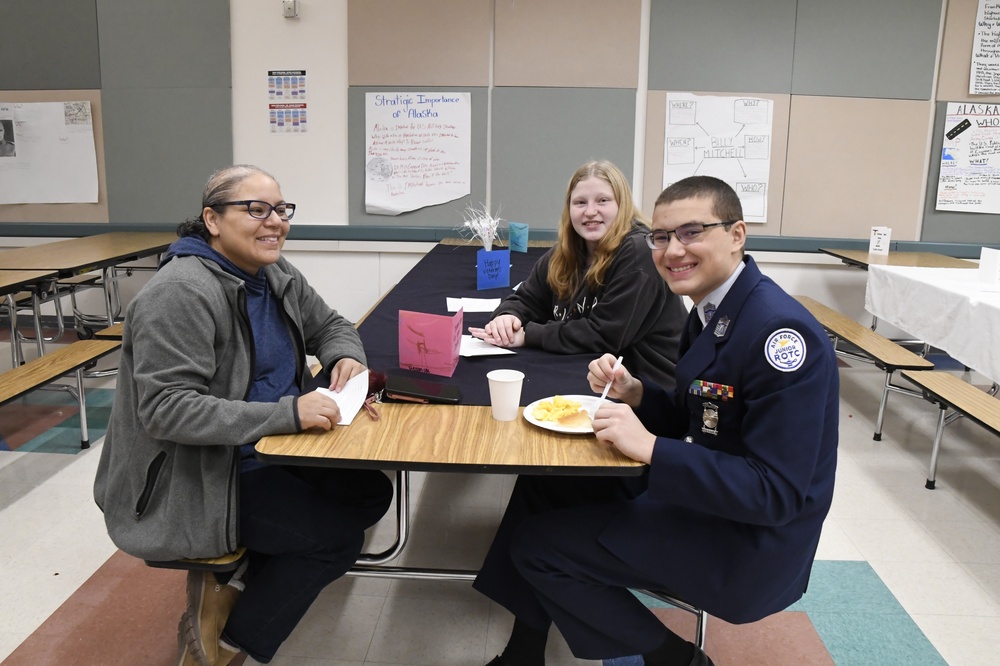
{"type": "Point", "coordinates": [785, 350]}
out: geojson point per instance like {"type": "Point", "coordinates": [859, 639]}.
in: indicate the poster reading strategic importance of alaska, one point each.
{"type": "Point", "coordinates": [418, 150]}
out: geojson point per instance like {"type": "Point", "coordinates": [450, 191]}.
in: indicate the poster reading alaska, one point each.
{"type": "Point", "coordinates": [970, 159]}
{"type": "Point", "coordinates": [418, 150]}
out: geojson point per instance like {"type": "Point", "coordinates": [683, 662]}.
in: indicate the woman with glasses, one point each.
{"type": "Point", "coordinates": [213, 358]}
{"type": "Point", "coordinates": [597, 290]}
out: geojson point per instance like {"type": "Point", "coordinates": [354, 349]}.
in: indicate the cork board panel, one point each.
{"type": "Point", "coordinates": [860, 48]}
{"type": "Point", "coordinates": [81, 212]}
{"type": "Point", "coordinates": [842, 179]}
{"type": "Point", "coordinates": [540, 138]}
{"type": "Point", "coordinates": [652, 184]}
{"type": "Point", "coordinates": [722, 45]}
{"type": "Point", "coordinates": [176, 44]}
{"type": "Point", "coordinates": [956, 54]}
{"type": "Point", "coordinates": [155, 172]}
{"type": "Point", "coordinates": [427, 43]}
{"type": "Point", "coordinates": [567, 43]}
{"type": "Point", "coordinates": [49, 45]}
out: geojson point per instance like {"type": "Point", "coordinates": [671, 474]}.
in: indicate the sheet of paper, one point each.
{"type": "Point", "coordinates": [969, 180]}
{"type": "Point", "coordinates": [983, 78]}
{"type": "Point", "coordinates": [473, 304]}
{"type": "Point", "coordinates": [725, 137]}
{"type": "Point", "coordinates": [418, 150]}
{"type": "Point", "coordinates": [47, 153]}
{"type": "Point", "coordinates": [475, 347]}
{"type": "Point", "coordinates": [350, 398]}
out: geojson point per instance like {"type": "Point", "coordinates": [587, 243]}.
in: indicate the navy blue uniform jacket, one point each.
{"type": "Point", "coordinates": [732, 519]}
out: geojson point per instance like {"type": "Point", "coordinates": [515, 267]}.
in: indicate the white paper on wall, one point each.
{"type": "Point", "coordinates": [47, 153]}
{"type": "Point", "coordinates": [725, 137]}
{"type": "Point", "coordinates": [418, 150]}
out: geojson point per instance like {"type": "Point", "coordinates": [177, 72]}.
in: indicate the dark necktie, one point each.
{"type": "Point", "coordinates": [694, 328]}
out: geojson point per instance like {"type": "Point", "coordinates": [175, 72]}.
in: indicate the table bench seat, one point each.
{"type": "Point", "coordinates": [883, 352]}
{"type": "Point", "coordinates": [46, 369]}
{"type": "Point", "coordinates": [950, 391]}
{"type": "Point", "coordinates": [113, 332]}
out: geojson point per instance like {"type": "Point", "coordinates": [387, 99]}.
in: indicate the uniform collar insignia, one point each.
{"type": "Point", "coordinates": [721, 327]}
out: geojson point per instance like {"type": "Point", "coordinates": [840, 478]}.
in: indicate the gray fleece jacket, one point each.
{"type": "Point", "coordinates": [168, 476]}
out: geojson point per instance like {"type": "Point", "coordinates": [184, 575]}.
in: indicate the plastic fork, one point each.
{"type": "Point", "coordinates": [604, 394]}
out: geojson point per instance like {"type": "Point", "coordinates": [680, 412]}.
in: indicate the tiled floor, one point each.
{"type": "Point", "coordinates": [904, 575]}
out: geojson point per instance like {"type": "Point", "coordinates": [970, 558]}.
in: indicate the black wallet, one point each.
{"type": "Point", "coordinates": [413, 389]}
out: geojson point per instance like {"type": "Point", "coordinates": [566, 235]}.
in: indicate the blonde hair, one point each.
{"type": "Point", "coordinates": [570, 252]}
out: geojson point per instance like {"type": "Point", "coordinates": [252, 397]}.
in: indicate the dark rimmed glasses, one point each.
{"type": "Point", "coordinates": [261, 210]}
{"type": "Point", "coordinates": [686, 234]}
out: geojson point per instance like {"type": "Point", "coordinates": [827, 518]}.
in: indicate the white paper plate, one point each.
{"type": "Point", "coordinates": [585, 402]}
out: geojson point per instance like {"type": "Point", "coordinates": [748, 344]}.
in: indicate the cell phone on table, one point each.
{"type": "Point", "coordinates": [413, 389]}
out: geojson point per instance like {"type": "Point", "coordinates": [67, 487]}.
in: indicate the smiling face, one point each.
{"type": "Point", "coordinates": [697, 269]}
{"type": "Point", "coordinates": [249, 243]}
{"type": "Point", "coordinates": [592, 210]}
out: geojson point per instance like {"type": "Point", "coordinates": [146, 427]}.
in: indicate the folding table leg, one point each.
{"type": "Point", "coordinates": [82, 401]}
{"type": "Point", "coordinates": [881, 407]}
{"type": "Point", "coordinates": [938, 436]}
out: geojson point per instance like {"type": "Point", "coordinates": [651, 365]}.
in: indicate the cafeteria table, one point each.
{"type": "Point", "coordinates": [949, 308]}
{"type": "Point", "coordinates": [452, 438]}
{"type": "Point", "coordinates": [38, 283]}
{"type": "Point", "coordinates": [863, 259]}
{"type": "Point", "coordinates": [104, 252]}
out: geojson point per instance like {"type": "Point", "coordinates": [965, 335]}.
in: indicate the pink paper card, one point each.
{"type": "Point", "coordinates": [430, 343]}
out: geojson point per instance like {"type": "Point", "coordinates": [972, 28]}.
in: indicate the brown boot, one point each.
{"type": "Point", "coordinates": [208, 608]}
{"type": "Point", "coordinates": [225, 657]}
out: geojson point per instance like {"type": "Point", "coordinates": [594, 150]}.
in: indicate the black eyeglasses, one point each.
{"type": "Point", "coordinates": [261, 210]}
{"type": "Point", "coordinates": [686, 234]}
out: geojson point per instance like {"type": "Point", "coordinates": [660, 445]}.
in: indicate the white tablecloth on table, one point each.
{"type": "Point", "coordinates": [947, 307]}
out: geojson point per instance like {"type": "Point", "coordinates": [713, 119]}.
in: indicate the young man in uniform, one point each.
{"type": "Point", "coordinates": [742, 457]}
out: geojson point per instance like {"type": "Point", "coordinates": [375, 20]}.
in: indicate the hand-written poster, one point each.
{"type": "Point", "coordinates": [970, 159]}
{"type": "Point", "coordinates": [418, 150]}
{"type": "Point", "coordinates": [47, 153]}
{"type": "Point", "coordinates": [725, 137]}
{"type": "Point", "coordinates": [984, 75]}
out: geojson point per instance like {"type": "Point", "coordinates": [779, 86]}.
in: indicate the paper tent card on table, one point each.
{"type": "Point", "coordinates": [430, 343]}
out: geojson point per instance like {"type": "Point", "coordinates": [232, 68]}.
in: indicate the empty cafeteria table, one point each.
{"type": "Point", "coordinates": [862, 259]}
{"type": "Point", "coordinates": [13, 281]}
{"type": "Point", "coordinates": [74, 256]}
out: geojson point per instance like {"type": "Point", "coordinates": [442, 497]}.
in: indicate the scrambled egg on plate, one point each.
{"type": "Point", "coordinates": [555, 409]}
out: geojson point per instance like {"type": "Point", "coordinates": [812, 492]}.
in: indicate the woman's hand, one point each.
{"type": "Point", "coordinates": [317, 411]}
{"type": "Point", "coordinates": [504, 331]}
{"type": "Point", "coordinates": [342, 371]}
{"type": "Point", "coordinates": [625, 387]}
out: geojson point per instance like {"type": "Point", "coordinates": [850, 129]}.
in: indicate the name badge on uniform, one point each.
{"type": "Point", "coordinates": [709, 418]}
